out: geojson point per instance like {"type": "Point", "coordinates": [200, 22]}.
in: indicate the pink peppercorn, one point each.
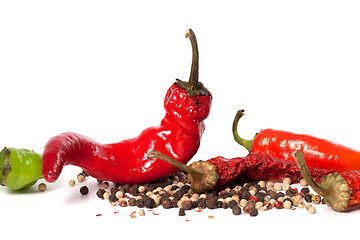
{"type": "Point", "coordinates": [253, 198]}
{"type": "Point", "coordinates": [278, 205]}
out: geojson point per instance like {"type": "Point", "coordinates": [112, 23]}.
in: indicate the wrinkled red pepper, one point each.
{"type": "Point", "coordinates": [340, 190]}
{"type": "Point", "coordinates": [320, 153]}
{"type": "Point", "coordinates": [187, 104]}
{"type": "Point", "coordinates": [218, 171]}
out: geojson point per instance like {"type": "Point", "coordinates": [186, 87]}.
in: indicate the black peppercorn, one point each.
{"type": "Point", "coordinates": [132, 202]}
{"type": "Point", "coordinates": [84, 190]}
{"type": "Point", "coordinates": [291, 192]}
{"type": "Point", "coordinates": [181, 212]}
{"type": "Point", "coordinates": [113, 198]}
{"type": "Point", "coordinates": [236, 210]}
{"type": "Point", "coordinates": [166, 204]}
{"type": "Point", "coordinates": [100, 193]}
{"type": "Point", "coordinates": [305, 190]}
{"type": "Point", "coordinates": [232, 204]}
{"type": "Point", "coordinates": [219, 204]}
{"type": "Point", "coordinates": [253, 212]}
{"type": "Point", "coordinates": [308, 198]}
{"type": "Point", "coordinates": [140, 203]}
{"type": "Point", "coordinates": [149, 202]}
{"type": "Point", "coordinates": [187, 205]}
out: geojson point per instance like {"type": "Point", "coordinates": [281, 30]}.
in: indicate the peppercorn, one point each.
{"type": "Point", "coordinates": [181, 212]}
{"type": "Point", "coordinates": [253, 198]}
{"type": "Point", "coordinates": [42, 187]}
{"type": "Point", "coordinates": [260, 196]}
{"type": "Point", "coordinates": [84, 190]}
{"type": "Point", "coordinates": [254, 212]}
{"type": "Point", "coordinates": [166, 204]}
{"type": "Point", "coordinates": [247, 209]}
{"type": "Point", "coordinates": [278, 205]}
{"type": "Point", "coordinates": [141, 212]}
{"type": "Point", "coordinates": [100, 193]}
{"type": "Point", "coordinates": [187, 205]}
{"type": "Point", "coordinates": [245, 194]}
{"type": "Point", "coordinates": [303, 182]}
{"type": "Point", "coordinates": [236, 210]}
{"type": "Point", "coordinates": [287, 204]}
{"type": "Point", "coordinates": [219, 204]}
{"type": "Point", "coordinates": [81, 177]}
{"type": "Point", "coordinates": [105, 185]}
{"type": "Point", "coordinates": [113, 198]}
{"type": "Point", "coordinates": [290, 192]}
{"type": "Point", "coordinates": [305, 190]}
{"type": "Point", "coordinates": [132, 202]}
{"type": "Point", "coordinates": [316, 199]}
{"type": "Point", "coordinates": [308, 198]}
{"type": "Point", "coordinates": [140, 203]}
{"type": "Point", "coordinates": [149, 202]}
{"type": "Point", "coordinates": [232, 204]}
{"type": "Point", "coordinates": [72, 182]}
{"type": "Point", "coordinates": [211, 203]}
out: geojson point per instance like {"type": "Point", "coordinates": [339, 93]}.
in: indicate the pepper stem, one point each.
{"type": "Point", "coordinates": [193, 86]}
{"type": "Point", "coordinates": [243, 142]}
{"type": "Point", "coordinates": [333, 188]}
{"type": "Point", "coordinates": [202, 174]}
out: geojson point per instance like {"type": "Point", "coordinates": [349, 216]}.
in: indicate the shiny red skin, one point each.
{"type": "Point", "coordinates": [126, 162]}
{"type": "Point", "coordinates": [318, 152]}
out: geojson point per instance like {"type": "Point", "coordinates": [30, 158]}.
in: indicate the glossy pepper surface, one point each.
{"type": "Point", "coordinates": [321, 153]}
{"type": "Point", "coordinates": [19, 168]}
{"type": "Point", "coordinates": [187, 105]}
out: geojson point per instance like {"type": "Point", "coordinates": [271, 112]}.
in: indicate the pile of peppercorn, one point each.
{"type": "Point", "coordinates": [239, 196]}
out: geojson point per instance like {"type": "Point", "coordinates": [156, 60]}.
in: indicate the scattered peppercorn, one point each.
{"type": "Point", "coordinates": [100, 193]}
{"type": "Point", "coordinates": [81, 177]}
{"type": "Point", "coordinates": [170, 192]}
{"type": "Point", "coordinates": [181, 212]}
{"type": "Point", "coordinates": [72, 182]}
{"type": "Point", "coordinates": [84, 190]}
{"type": "Point", "coordinates": [42, 187]}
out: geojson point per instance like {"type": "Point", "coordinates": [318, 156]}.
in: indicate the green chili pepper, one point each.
{"type": "Point", "coordinates": [19, 168]}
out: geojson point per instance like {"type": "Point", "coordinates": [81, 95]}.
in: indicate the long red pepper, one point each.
{"type": "Point", "coordinates": [320, 153]}
{"type": "Point", "coordinates": [215, 172]}
{"type": "Point", "coordinates": [340, 190]}
{"type": "Point", "coordinates": [187, 104]}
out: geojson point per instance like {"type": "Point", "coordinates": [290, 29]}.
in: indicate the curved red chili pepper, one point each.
{"type": "Point", "coordinates": [320, 153]}
{"type": "Point", "coordinates": [187, 104]}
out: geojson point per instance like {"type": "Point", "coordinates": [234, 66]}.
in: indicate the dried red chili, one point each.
{"type": "Point", "coordinates": [187, 104]}
{"type": "Point", "coordinates": [320, 153]}
{"type": "Point", "coordinates": [340, 190]}
{"type": "Point", "coordinates": [215, 172]}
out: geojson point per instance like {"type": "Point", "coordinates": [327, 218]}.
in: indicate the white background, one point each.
{"type": "Point", "coordinates": [101, 68]}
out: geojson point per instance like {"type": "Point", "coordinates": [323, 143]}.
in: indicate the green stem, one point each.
{"type": "Point", "coordinates": [243, 142]}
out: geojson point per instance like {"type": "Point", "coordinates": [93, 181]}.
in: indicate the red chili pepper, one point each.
{"type": "Point", "coordinates": [340, 190]}
{"type": "Point", "coordinates": [320, 153]}
{"type": "Point", "coordinates": [218, 171]}
{"type": "Point", "coordinates": [187, 104]}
